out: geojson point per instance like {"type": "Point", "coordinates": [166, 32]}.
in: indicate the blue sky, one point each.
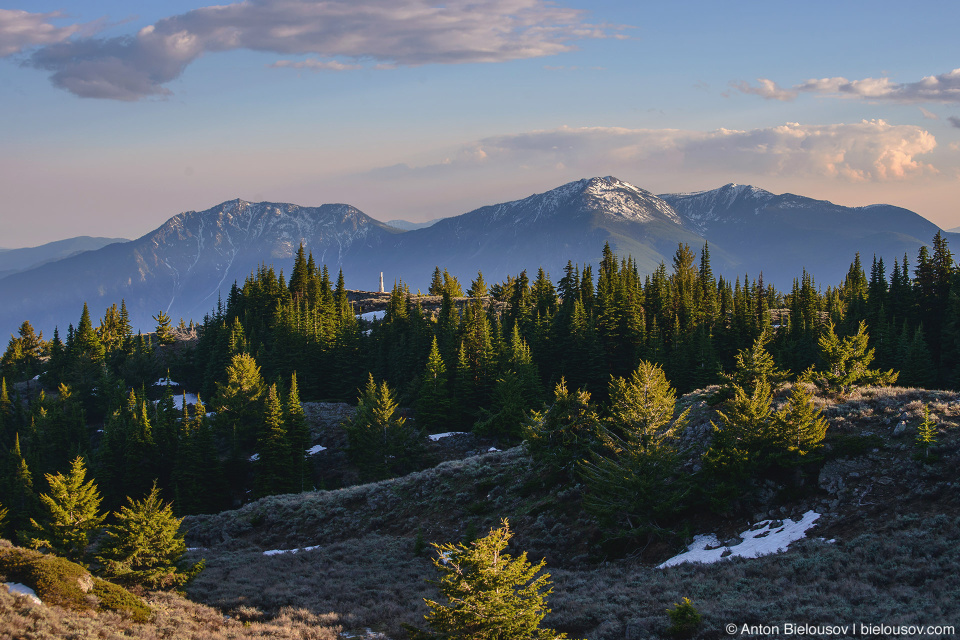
{"type": "Point", "coordinates": [114, 121]}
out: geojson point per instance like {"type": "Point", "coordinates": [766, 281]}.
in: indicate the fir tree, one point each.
{"type": "Point", "coordinates": [565, 432]}
{"type": "Point", "coordinates": [926, 433]}
{"type": "Point", "coordinates": [436, 284]}
{"type": "Point", "coordinates": [847, 361]}
{"type": "Point", "coordinates": [144, 545]}
{"type": "Point", "coordinates": [488, 594]}
{"type": "Point", "coordinates": [802, 425]}
{"type": "Point", "coordinates": [297, 432]}
{"type": "Point", "coordinates": [632, 478]}
{"type": "Point", "coordinates": [273, 465]}
{"type": "Point", "coordinates": [18, 490]}
{"type": "Point", "coordinates": [238, 401]}
{"type": "Point", "coordinates": [73, 513]}
{"type": "Point", "coordinates": [433, 404]}
{"type": "Point", "coordinates": [379, 442]}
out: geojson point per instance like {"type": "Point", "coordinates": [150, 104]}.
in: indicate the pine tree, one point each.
{"type": "Point", "coordinates": [926, 433]}
{"type": "Point", "coordinates": [436, 284]}
{"type": "Point", "coordinates": [297, 432]}
{"type": "Point", "coordinates": [238, 401]}
{"type": "Point", "coordinates": [754, 365]}
{"type": "Point", "coordinates": [273, 465]}
{"type": "Point", "coordinates": [632, 480]}
{"type": "Point", "coordinates": [164, 331]}
{"type": "Point", "coordinates": [488, 594]}
{"type": "Point", "coordinates": [144, 545]}
{"type": "Point", "coordinates": [433, 404]}
{"type": "Point", "coordinates": [802, 425]}
{"type": "Point", "coordinates": [73, 507]}
{"type": "Point", "coordinates": [18, 490]}
{"type": "Point", "coordinates": [566, 432]}
{"type": "Point", "coordinates": [379, 442]}
{"type": "Point", "coordinates": [847, 361]}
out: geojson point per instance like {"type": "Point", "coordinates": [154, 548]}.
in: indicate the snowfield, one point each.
{"type": "Point", "coordinates": [761, 539]}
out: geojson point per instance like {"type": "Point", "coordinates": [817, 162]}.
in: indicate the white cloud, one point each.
{"type": "Point", "coordinates": [872, 150]}
{"type": "Point", "coordinates": [944, 88]}
{"type": "Point", "coordinates": [765, 89]}
{"type": "Point", "coordinates": [381, 32]}
{"type": "Point", "coordinates": [929, 115]}
{"type": "Point", "coordinates": [21, 30]}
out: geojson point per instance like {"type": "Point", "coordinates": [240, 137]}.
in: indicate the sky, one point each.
{"type": "Point", "coordinates": [117, 116]}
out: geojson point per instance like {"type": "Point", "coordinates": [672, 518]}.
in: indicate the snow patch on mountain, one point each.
{"type": "Point", "coordinates": [608, 195]}
{"type": "Point", "coordinates": [699, 208]}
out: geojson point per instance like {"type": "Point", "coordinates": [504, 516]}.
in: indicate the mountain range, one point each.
{"type": "Point", "coordinates": [13, 260]}
{"type": "Point", "coordinates": [182, 267]}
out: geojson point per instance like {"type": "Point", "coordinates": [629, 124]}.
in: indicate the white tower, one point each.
{"type": "Point", "coordinates": [381, 282]}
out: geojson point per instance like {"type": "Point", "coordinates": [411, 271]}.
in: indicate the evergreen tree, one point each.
{"type": "Point", "coordinates": [488, 594]}
{"type": "Point", "coordinates": [926, 433]}
{"type": "Point", "coordinates": [18, 490]}
{"type": "Point", "coordinates": [434, 404]}
{"type": "Point", "coordinates": [164, 330]}
{"type": "Point", "coordinates": [755, 365]}
{"type": "Point", "coordinates": [802, 426]}
{"type": "Point", "coordinates": [297, 432]}
{"type": "Point", "coordinates": [632, 480]}
{"type": "Point", "coordinates": [565, 432]}
{"type": "Point", "coordinates": [238, 401]}
{"type": "Point", "coordinates": [847, 361]}
{"type": "Point", "coordinates": [436, 284]}
{"type": "Point", "coordinates": [144, 545]}
{"type": "Point", "coordinates": [273, 465]}
{"type": "Point", "coordinates": [73, 507]}
{"type": "Point", "coordinates": [379, 442]}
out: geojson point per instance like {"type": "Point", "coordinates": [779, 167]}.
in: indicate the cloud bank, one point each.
{"type": "Point", "coordinates": [384, 32]}
{"type": "Point", "coordinates": [871, 150]}
{"type": "Point", "coordinates": [21, 30]}
{"type": "Point", "coordinates": [944, 88]}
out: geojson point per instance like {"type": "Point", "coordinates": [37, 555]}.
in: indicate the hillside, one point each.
{"type": "Point", "coordinates": [887, 538]}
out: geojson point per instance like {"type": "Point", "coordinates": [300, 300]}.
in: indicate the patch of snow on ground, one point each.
{"type": "Point", "coordinates": [492, 449]}
{"type": "Point", "coordinates": [759, 540]}
{"type": "Point", "coordinates": [275, 552]}
{"type": "Point", "coordinates": [254, 457]}
{"type": "Point", "coordinates": [315, 449]}
{"type": "Point", "coordinates": [178, 400]}
{"type": "Point", "coordinates": [373, 315]}
{"type": "Point", "coordinates": [162, 382]}
{"type": "Point", "coordinates": [437, 436]}
{"type": "Point", "coordinates": [23, 590]}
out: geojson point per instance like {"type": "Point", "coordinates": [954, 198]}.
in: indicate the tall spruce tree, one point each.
{"type": "Point", "coordinates": [297, 433]}
{"type": "Point", "coordinates": [434, 404]}
{"type": "Point", "coordinates": [273, 469]}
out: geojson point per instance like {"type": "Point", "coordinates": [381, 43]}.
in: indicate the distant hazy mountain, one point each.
{"type": "Point", "coordinates": [571, 222]}
{"type": "Point", "coordinates": [783, 234]}
{"type": "Point", "coordinates": [410, 226]}
{"type": "Point", "coordinates": [13, 260]}
{"type": "Point", "coordinates": [184, 265]}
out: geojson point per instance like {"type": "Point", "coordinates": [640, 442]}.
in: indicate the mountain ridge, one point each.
{"type": "Point", "coordinates": [183, 265]}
